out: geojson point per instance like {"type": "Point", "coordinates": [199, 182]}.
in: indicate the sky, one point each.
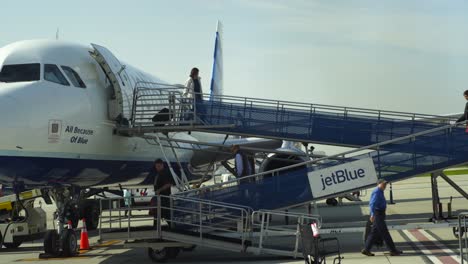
{"type": "Point", "coordinates": [402, 55]}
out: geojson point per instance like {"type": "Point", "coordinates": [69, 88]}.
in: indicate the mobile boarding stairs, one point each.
{"type": "Point", "coordinates": [195, 222]}
{"type": "Point", "coordinates": [389, 145]}
{"type": "Point", "coordinates": [400, 145]}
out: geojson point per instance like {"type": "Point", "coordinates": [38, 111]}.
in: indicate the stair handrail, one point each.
{"type": "Point", "coordinates": [341, 155]}
{"type": "Point", "coordinates": [178, 92]}
{"type": "Point", "coordinates": [272, 102]}
{"type": "Point", "coordinates": [345, 109]}
{"type": "Point", "coordinates": [462, 235]}
{"type": "Point", "coordinates": [242, 214]}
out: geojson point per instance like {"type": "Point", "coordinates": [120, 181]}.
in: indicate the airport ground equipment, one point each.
{"type": "Point", "coordinates": [20, 220]}
{"type": "Point", "coordinates": [194, 222]}
{"type": "Point", "coordinates": [72, 204]}
{"type": "Point", "coordinates": [396, 159]}
{"type": "Point", "coordinates": [283, 120]}
{"type": "Point", "coordinates": [216, 225]}
{"type": "Point", "coordinates": [463, 236]}
{"type": "Point", "coordinates": [399, 145]}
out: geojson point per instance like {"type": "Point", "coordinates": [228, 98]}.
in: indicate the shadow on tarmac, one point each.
{"type": "Point", "coordinates": [203, 256]}
{"type": "Point", "coordinates": [21, 249]}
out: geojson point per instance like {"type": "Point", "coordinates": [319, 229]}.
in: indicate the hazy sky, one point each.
{"type": "Point", "coordinates": [403, 55]}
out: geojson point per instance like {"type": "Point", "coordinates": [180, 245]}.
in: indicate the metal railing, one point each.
{"type": "Point", "coordinates": [314, 123]}
{"type": "Point", "coordinates": [203, 219]}
{"type": "Point", "coordinates": [316, 108]}
{"type": "Point", "coordinates": [158, 104]}
{"type": "Point", "coordinates": [445, 131]}
{"type": "Point", "coordinates": [463, 236]}
{"type": "Point", "coordinates": [196, 215]}
{"type": "Point", "coordinates": [269, 227]}
{"type": "Point", "coordinates": [148, 89]}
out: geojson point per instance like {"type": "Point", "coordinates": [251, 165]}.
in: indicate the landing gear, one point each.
{"type": "Point", "coordinates": [69, 243]}
{"type": "Point", "coordinates": [51, 245]}
{"type": "Point", "coordinates": [64, 245]}
{"type": "Point", "coordinates": [63, 241]}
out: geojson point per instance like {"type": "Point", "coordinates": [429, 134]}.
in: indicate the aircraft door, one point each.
{"type": "Point", "coordinates": [120, 104]}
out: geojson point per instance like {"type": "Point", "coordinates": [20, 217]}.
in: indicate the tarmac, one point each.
{"type": "Point", "coordinates": [412, 204]}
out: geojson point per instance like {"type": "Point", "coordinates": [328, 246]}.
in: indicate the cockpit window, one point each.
{"type": "Point", "coordinates": [53, 74]}
{"type": "Point", "coordinates": [20, 72]}
{"type": "Point", "coordinates": [73, 77]}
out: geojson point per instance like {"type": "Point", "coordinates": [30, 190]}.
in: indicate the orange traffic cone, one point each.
{"type": "Point", "coordinates": [84, 241]}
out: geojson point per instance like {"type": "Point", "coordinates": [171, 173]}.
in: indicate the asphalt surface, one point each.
{"type": "Point", "coordinates": [412, 205]}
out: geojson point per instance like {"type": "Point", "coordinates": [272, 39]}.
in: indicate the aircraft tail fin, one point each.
{"type": "Point", "coordinates": [216, 88]}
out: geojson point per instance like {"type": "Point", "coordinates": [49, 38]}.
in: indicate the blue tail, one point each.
{"type": "Point", "coordinates": [216, 88]}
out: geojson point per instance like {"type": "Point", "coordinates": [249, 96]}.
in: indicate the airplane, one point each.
{"type": "Point", "coordinates": [61, 105]}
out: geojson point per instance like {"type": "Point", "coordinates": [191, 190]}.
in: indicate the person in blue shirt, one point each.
{"type": "Point", "coordinates": [377, 207]}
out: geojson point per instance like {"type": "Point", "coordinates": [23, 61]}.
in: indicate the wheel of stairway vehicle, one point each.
{"type": "Point", "coordinates": [157, 255]}
{"type": "Point", "coordinates": [457, 232]}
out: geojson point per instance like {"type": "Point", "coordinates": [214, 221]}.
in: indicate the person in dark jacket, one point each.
{"type": "Point", "coordinates": [162, 181]}
{"type": "Point", "coordinates": [377, 208]}
{"type": "Point", "coordinates": [464, 117]}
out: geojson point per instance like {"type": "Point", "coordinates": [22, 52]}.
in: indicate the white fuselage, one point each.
{"type": "Point", "coordinates": [84, 150]}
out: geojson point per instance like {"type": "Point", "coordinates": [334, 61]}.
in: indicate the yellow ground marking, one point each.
{"type": "Point", "coordinates": [108, 243]}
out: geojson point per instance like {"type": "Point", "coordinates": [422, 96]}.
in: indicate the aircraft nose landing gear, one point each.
{"type": "Point", "coordinates": [62, 242]}
{"type": "Point", "coordinates": [64, 245]}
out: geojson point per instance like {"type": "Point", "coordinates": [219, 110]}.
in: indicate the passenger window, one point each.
{"type": "Point", "coordinates": [20, 72]}
{"type": "Point", "coordinates": [53, 74]}
{"type": "Point", "coordinates": [73, 77]}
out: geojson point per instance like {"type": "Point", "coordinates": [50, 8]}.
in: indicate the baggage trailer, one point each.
{"type": "Point", "coordinates": [20, 221]}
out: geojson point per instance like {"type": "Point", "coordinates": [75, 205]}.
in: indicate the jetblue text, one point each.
{"type": "Point", "coordinates": [341, 176]}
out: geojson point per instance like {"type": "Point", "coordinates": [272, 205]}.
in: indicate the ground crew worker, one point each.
{"type": "Point", "coordinates": [377, 207]}
{"type": "Point", "coordinates": [464, 117]}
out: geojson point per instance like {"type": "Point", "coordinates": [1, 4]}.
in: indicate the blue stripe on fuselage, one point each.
{"type": "Point", "coordinates": [82, 172]}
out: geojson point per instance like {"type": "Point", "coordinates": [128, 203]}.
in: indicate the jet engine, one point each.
{"type": "Point", "coordinates": [280, 160]}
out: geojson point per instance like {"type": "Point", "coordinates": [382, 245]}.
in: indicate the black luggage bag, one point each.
{"type": "Point", "coordinates": [315, 249]}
